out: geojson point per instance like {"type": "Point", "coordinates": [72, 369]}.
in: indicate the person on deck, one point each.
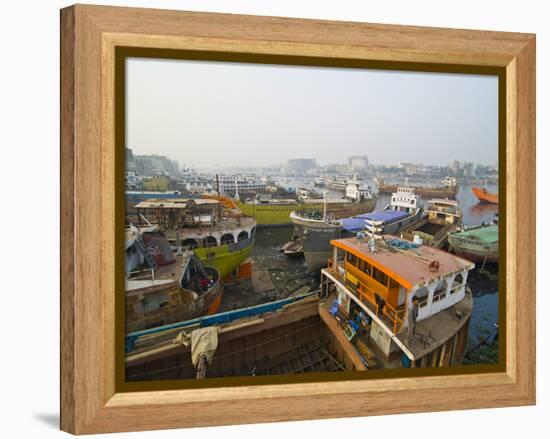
{"type": "Point", "coordinates": [380, 302]}
{"type": "Point", "coordinates": [411, 317]}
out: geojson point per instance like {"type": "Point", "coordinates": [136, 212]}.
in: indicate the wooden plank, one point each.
{"type": "Point", "coordinates": [308, 37]}
{"type": "Point", "coordinates": [67, 214]}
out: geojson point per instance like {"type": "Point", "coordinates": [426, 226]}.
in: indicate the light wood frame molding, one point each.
{"type": "Point", "coordinates": [89, 401]}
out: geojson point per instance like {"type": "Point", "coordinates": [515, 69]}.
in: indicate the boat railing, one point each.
{"type": "Point", "coordinates": [423, 301]}
{"type": "Point", "coordinates": [367, 296]}
{"type": "Point", "coordinates": [439, 209]}
{"type": "Point", "coordinates": [439, 295]}
{"type": "Point", "coordinates": [145, 274]}
{"type": "Point", "coordinates": [396, 315]}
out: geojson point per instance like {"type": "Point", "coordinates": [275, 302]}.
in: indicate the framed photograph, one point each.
{"type": "Point", "coordinates": [268, 219]}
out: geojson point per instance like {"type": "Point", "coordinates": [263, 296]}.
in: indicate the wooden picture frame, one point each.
{"type": "Point", "coordinates": [91, 401]}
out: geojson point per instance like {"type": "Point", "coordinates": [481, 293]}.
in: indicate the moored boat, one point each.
{"type": "Point", "coordinates": [314, 231]}
{"type": "Point", "coordinates": [134, 197]}
{"type": "Point", "coordinates": [218, 235]}
{"type": "Point", "coordinates": [440, 217]}
{"type": "Point", "coordinates": [403, 210]}
{"type": "Point", "coordinates": [449, 189]}
{"type": "Point", "coordinates": [477, 244]}
{"type": "Point", "coordinates": [317, 232]}
{"type": "Point", "coordinates": [276, 212]}
{"type": "Point", "coordinates": [163, 288]}
{"type": "Point", "coordinates": [401, 304]}
{"type": "Point", "coordinates": [286, 336]}
{"type": "Point", "coordinates": [484, 196]}
{"type": "Point", "coordinates": [293, 248]}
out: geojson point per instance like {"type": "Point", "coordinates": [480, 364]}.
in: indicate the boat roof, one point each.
{"type": "Point", "coordinates": [485, 234]}
{"type": "Point", "coordinates": [407, 267]}
{"type": "Point", "coordinates": [152, 192]}
{"type": "Point", "coordinates": [175, 203]}
{"type": "Point", "coordinates": [444, 201]}
{"type": "Point", "coordinates": [224, 225]}
{"type": "Point", "coordinates": [329, 201]}
{"type": "Point", "coordinates": [358, 222]}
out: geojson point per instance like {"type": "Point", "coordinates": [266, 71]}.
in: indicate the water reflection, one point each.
{"type": "Point", "coordinates": [474, 212]}
{"type": "Point", "coordinates": [480, 211]}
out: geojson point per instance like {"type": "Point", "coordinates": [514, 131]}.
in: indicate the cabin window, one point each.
{"type": "Point", "coordinates": [228, 238]}
{"type": "Point", "coordinates": [210, 241]}
{"type": "Point", "coordinates": [351, 258]}
{"type": "Point", "coordinates": [190, 243]}
{"type": "Point", "coordinates": [380, 277]}
{"type": "Point", "coordinates": [368, 268]}
{"type": "Point", "coordinates": [242, 236]}
{"type": "Point", "coordinates": [422, 294]}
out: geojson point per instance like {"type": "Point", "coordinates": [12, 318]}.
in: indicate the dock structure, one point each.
{"type": "Point", "coordinates": [374, 286]}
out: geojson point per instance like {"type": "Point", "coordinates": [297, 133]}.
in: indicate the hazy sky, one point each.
{"type": "Point", "coordinates": [206, 114]}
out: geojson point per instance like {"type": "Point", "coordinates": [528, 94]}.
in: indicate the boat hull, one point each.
{"type": "Point", "coordinates": [182, 304]}
{"type": "Point", "coordinates": [485, 197]}
{"type": "Point", "coordinates": [317, 248]}
{"type": "Point", "coordinates": [478, 257]}
{"type": "Point", "coordinates": [272, 215]}
{"type": "Point", "coordinates": [475, 250]}
{"type": "Point", "coordinates": [225, 258]}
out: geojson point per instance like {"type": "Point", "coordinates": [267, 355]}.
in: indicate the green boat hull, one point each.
{"type": "Point", "coordinates": [269, 215]}
{"type": "Point", "coordinates": [479, 244]}
{"type": "Point", "coordinates": [225, 258]}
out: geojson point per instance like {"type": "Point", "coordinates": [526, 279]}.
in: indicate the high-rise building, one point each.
{"type": "Point", "coordinates": [409, 168]}
{"type": "Point", "coordinates": [358, 162]}
{"type": "Point", "coordinates": [300, 165]}
{"type": "Point", "coordinates": [468, 168]}
{"type": "Point", "coordinates": [455, 166]}
{"type": "Point", "coordinates": [151, 164]}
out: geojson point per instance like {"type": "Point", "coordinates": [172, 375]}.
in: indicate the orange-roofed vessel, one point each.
{"type": "Point", "coordinates": [484, 196]}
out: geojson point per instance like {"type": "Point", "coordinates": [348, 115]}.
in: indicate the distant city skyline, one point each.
{"type": "Point", "coordinates": [211, 114]}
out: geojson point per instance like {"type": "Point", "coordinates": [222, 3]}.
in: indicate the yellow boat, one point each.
{"type": "Point", "coordinates": [217, 233]}
{"type": "Point", "coordinates": [276, 212]}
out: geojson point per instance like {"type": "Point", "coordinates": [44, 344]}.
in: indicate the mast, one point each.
{"type": "Point", "coordinates": [236, 190]}
{"type": "Point", "coordinates": [324, 205]}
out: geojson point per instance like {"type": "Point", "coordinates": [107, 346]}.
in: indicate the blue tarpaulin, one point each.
{"type": "Point", "coordinates": [358, 222]}
{"type": "Point", "coordinates": [405, 245]}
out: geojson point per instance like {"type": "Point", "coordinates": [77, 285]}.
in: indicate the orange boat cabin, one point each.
{"type": "Point", "coordinates": [370, 284]}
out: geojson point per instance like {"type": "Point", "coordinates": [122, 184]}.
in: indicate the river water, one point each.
{"type": "Point", "coordinates": [288, 274]}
